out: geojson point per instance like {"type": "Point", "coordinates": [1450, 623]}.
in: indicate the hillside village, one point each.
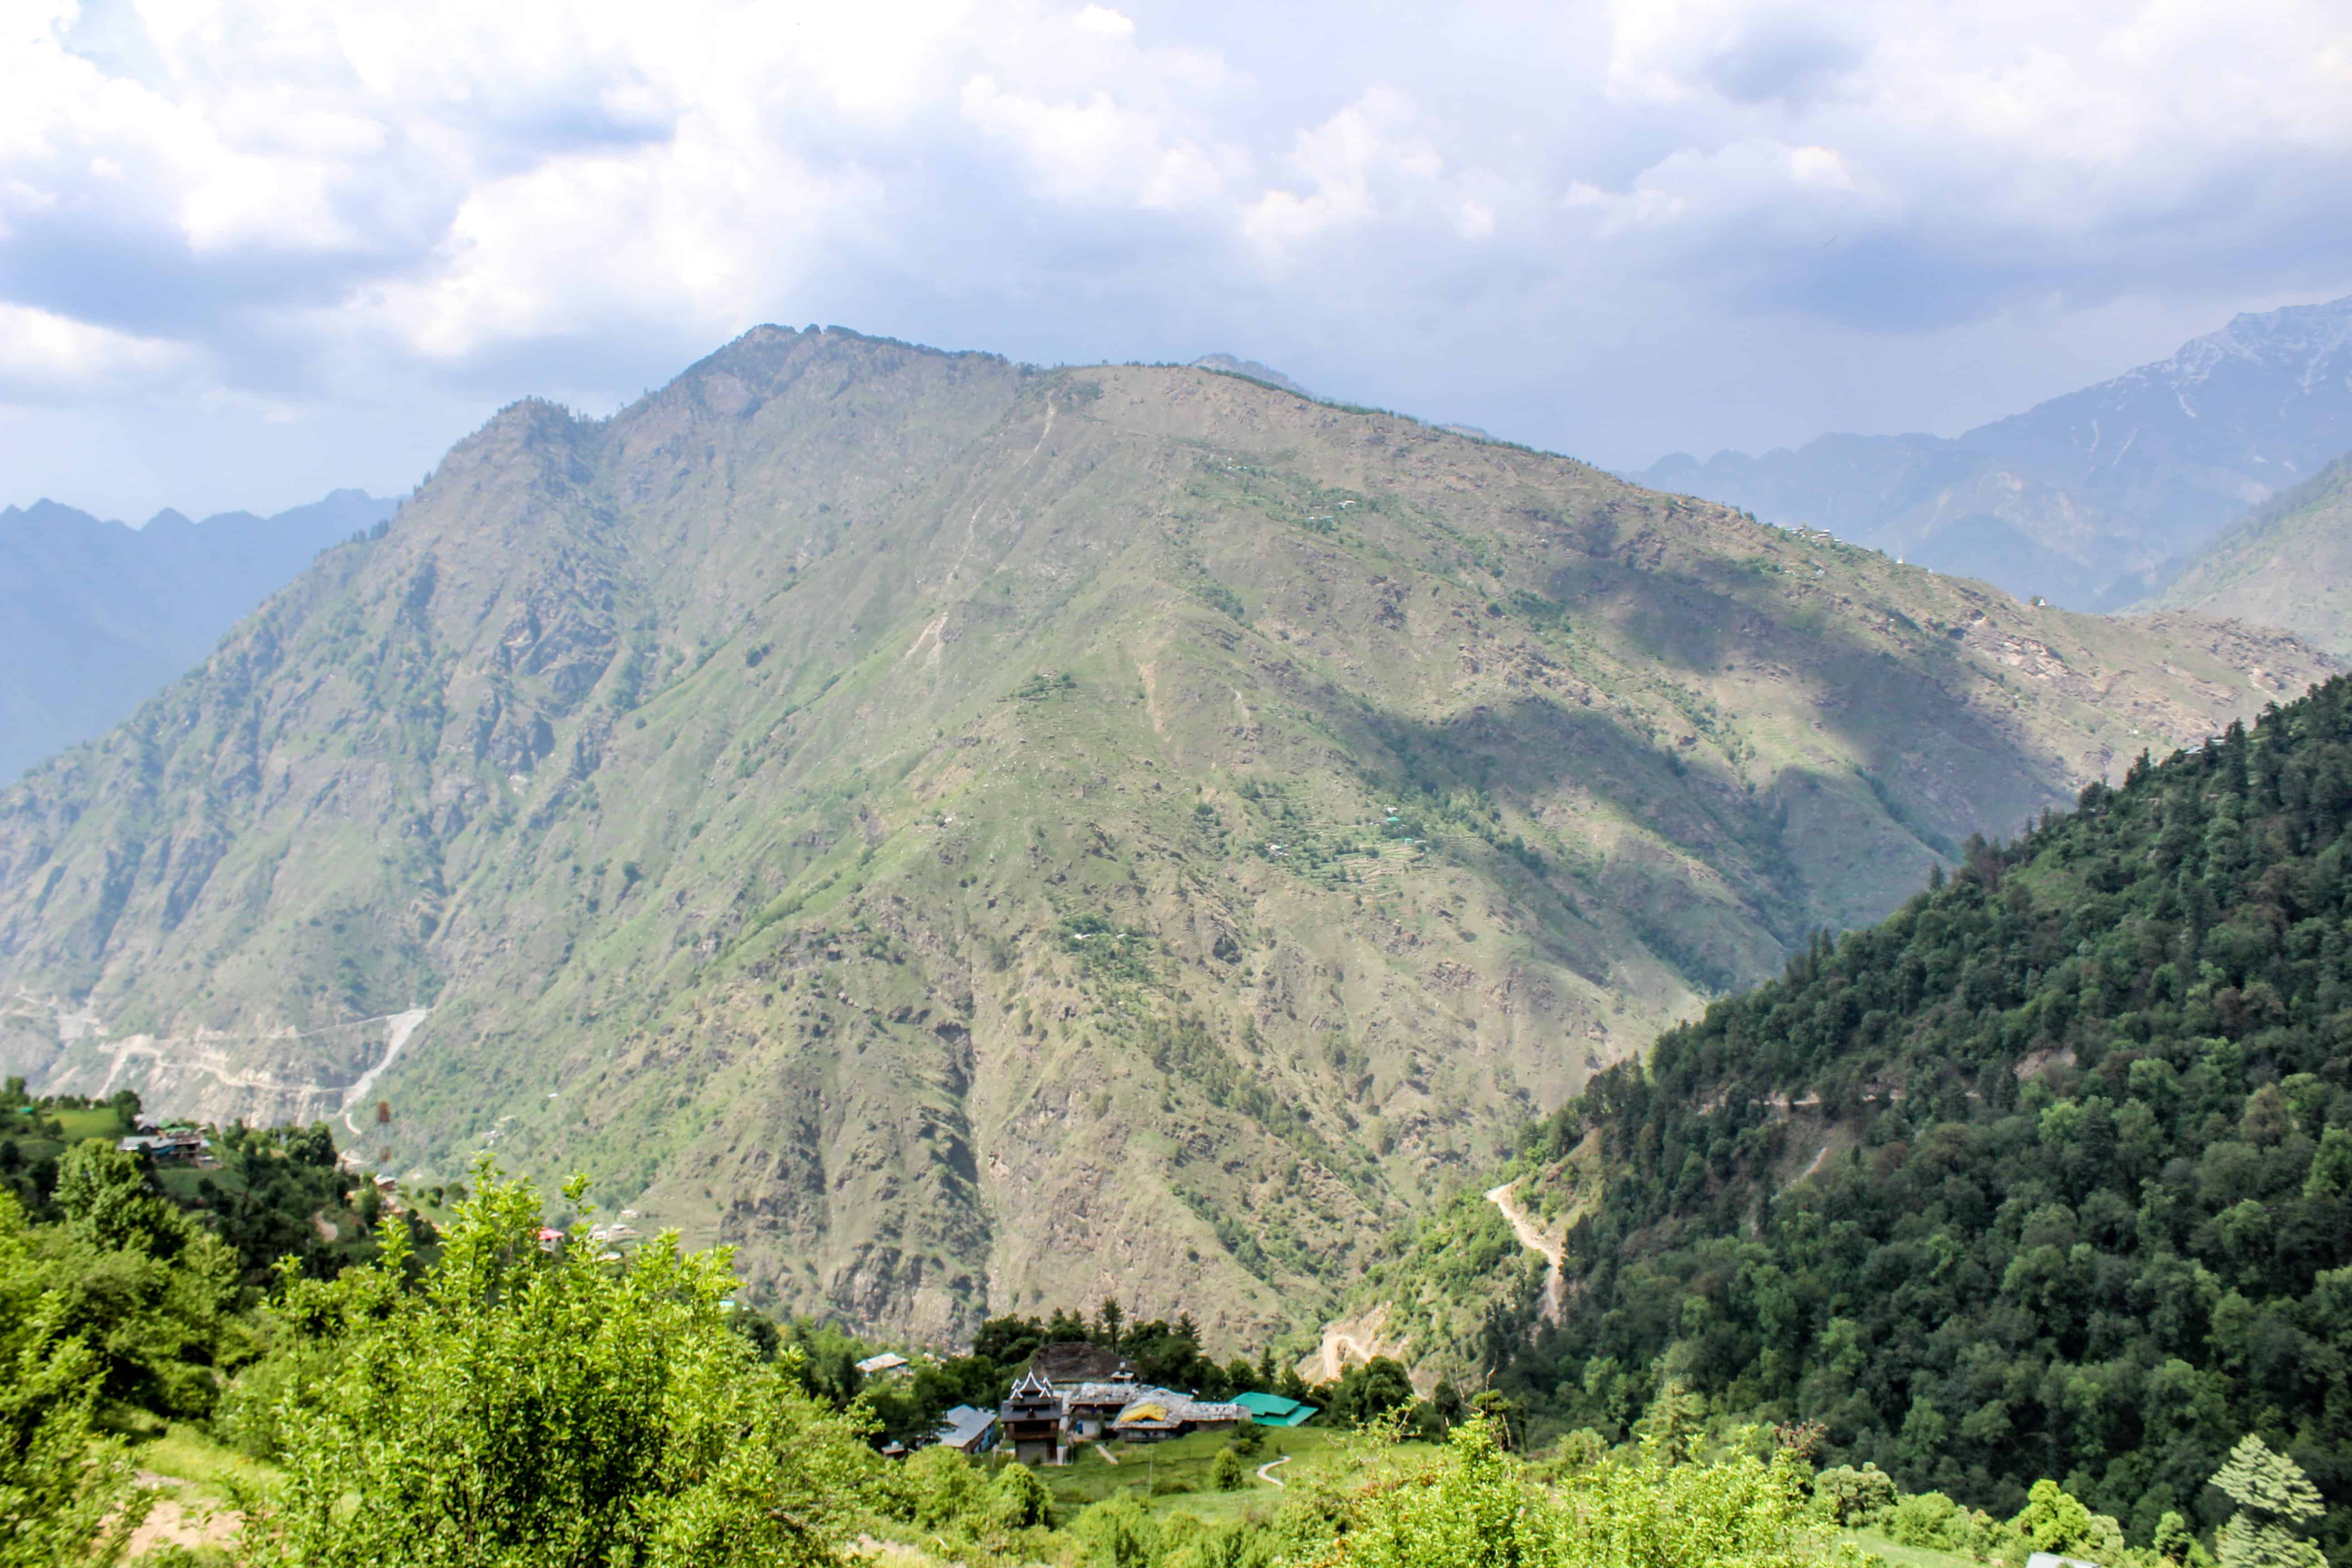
{"type": "Point", "coordinates": [1074, 1391]}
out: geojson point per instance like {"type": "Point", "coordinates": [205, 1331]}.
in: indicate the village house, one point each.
{"type": "Point", "coordinates": [1159, 1414]}
{"type": "Point", "coordinates": [1032, 1418]}
{"type": "Point", "coordinates": [170, 1146]}
{"type": "Point", "coordinates": [967, 1430]}
{"type": "Point", "coordinates": [1090, 1409]}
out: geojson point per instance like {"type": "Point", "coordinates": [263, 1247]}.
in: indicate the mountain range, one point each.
{"type": "Point", "coordinates": [96, 618]}
{"type": "Point", "coordinates": [2093, 500]}
{"type": "Point", "coordinates": [978, 837]}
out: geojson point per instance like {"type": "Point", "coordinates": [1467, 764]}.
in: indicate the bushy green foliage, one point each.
{"type": "Point", "coordinates": [1853, 1498]}
{"type": "Point", "coordinates": [151, 1295]}
{"type": "Point", "coordinates": [1367, 1390]}
{"type": "Point", "coordinates": [65, 1497]}
{"type": "Point", "coordinates": [1933, 1520]}
{"type": "Point", "coordinates": [1473, 1505]}
{"type": "Point", "coordinates": [942, 1486]}
{"type": "Point", "coordinates": [525, 1405]}
{"type": "Point", "coordinates": [1018, 1499]}
{"type": "Point", "coordinates": [2050, 1176]}
{"type": "Point", "coordinates": [2054, 1521]}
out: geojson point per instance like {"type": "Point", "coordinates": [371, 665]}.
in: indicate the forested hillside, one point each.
{"type": "Point", "coordinates": [2049, 1174]}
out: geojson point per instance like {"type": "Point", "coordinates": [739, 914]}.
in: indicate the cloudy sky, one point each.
{"type": "Point", "coordinates": [251, 250]}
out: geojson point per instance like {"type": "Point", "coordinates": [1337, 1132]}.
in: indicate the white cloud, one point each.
{"type": "Point", "coordinates": [44, 356]}
{"type": "Point", "coordinates": [447, 204]}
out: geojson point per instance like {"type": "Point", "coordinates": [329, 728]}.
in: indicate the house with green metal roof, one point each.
{"type": "Point", "coordinates": [1274, 1410]}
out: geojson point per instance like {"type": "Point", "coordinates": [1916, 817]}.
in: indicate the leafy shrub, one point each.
{"type": "Point", "coordinates": [943, 1486]}
{"type": "Point", "coordinates": [1931, 1519]}
{"type": "Point", "coordinates": [1019, 1499]}
{"type": "Point", "coordinates": [1854, 1499]}
{"type": "Point", "coordinates": [1116, 1533]}
{"type": "Point", "coordinates": [2054, 1521]}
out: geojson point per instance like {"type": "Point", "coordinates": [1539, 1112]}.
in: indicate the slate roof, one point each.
{"type": "Point", "coordinates": [962, 1427]}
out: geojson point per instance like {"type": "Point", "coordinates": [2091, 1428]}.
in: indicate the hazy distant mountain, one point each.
{"type": "Point", "coordinates": [981, 837]}
{"type": "Point", "coordinates": [2289, 565]}
{"type": "Point", "coordinates": [1253, 370]}
{"type": "Point", "coordinates": [96, 618]}
{"type": "Point", "coordinates": [2091, 499]}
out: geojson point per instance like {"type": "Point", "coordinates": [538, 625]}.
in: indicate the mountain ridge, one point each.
{"type": "Point", "coordinates": [2288, 564]}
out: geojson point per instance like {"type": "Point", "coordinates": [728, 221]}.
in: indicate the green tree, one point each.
{"type": "Point", "coordinates": [1854, 1498]}
{"type": "Point", "coordinates": [943, 1487]}
{"type": "Point", "coordinates": [2276, 1500]}
{"type": "Point", "coordinates": [66, 1497]}
{"type": "Point", "coordinates": [520, 1405]}
{"type": "Point", "coordinates": [1229, 1474]}
{"type": "Point", "coordinates": [2054, 1521]}
{"type": "Point", "coordinates": [1116, 1533]}
{"type": "Point", "coordinates": [106, 1202]}
{"type": "Point", "coordinates": [152, 1295]}
{"type": "Point", "coordinates": [1369, 1390]}
{"type": "Point", "coordinates": [1019, 1499]}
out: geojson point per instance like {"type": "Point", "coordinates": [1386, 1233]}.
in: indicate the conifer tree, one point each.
{"type": "Point", "coordinates": [2274, 1499]}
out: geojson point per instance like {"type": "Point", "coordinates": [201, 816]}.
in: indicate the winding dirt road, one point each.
{"type": "Point", "coordinates": [1532, 1237]}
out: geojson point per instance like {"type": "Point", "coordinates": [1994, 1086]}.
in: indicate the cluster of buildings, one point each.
{"type": "Point", "coordinates": [1075, 1394]}
{"type": "Point", "coordinates": [176, 1144]}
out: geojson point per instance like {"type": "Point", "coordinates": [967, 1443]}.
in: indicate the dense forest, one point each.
{"type": "Point", "coordinates": [2048, 1175]}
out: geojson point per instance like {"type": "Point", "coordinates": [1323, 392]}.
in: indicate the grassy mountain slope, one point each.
{"type": "Point", "coordinates": [2050, 1174]}
{"type": "Point", "coordinates": [983, 837]}
{"type": "Point", "coordinates": [2289, 565]}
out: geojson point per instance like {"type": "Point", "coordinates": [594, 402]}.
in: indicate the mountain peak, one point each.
{"type": "Point", "coordinates": [2299, 340]}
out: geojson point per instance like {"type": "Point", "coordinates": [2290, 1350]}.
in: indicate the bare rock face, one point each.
{"type": "Point", "coordinates": [977, 838]}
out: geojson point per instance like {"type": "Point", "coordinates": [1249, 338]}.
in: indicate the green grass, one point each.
{"type": "Point", "coordinates": [184, 1455]}
{"type": "Point", "coordinates": [102, 1122]}
{"type": "Point", "coordinates": [1900, 1557]}
{"type": "Point", "coordinates": [1151, 1472]}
